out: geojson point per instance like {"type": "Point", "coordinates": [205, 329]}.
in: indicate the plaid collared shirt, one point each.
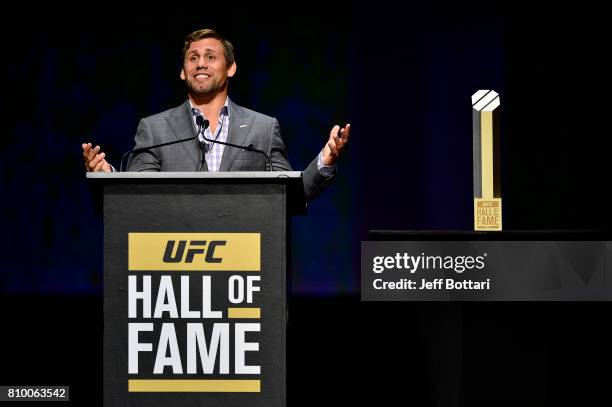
{"type": "Point", "coordinates": [213, 152]}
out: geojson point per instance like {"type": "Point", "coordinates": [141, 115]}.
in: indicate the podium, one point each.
{"type": "Point", "coordinates": [195, 286]}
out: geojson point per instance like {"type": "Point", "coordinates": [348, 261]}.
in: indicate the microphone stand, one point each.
{"type": "Point", "coordinates": [249, 147]}
{"type": "Point", "coordinates": [204, 124]}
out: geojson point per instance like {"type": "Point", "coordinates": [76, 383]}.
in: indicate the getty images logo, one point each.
{"type": "Point", "coordinates": [196, 247]}
{"type": "Point", "coordinates": [410, 263]}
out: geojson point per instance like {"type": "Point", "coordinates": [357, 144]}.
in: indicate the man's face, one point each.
{"type": "Point", "coordinates": [205, 69]}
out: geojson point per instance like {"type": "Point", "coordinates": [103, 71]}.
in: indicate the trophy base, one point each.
{"type": "Point", "coordinates": [487, 214]}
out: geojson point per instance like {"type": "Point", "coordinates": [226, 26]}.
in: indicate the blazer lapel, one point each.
{"type": "Point", "coordinates": [239, 126]}
{"type": "Point", "coordinates": [181, 124]}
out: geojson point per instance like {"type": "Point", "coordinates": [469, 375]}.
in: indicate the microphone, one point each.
{"type": "Point", "coordinates": [203, 124]}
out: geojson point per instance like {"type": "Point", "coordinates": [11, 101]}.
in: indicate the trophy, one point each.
{"type": "Point", "coordinates": [487, 165]}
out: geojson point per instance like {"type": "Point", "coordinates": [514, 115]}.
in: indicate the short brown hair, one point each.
{"type": "Point", "coordinates": [228, 48]}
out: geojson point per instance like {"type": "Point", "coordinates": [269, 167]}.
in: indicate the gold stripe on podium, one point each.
{"type": "Point", "coordinates": [194, 386]}
{"type": "Point", "coordinates": [251, 313]}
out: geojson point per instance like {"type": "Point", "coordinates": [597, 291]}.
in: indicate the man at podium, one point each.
{"type": "Point", "coordinates": [221, 126]}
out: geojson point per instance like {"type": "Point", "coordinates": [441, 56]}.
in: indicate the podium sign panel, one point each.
{"type": "Point", "coordinates": [194, 291]}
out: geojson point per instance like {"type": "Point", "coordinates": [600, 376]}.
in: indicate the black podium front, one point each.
{"type": "Point", "coordinates": [195, 287]}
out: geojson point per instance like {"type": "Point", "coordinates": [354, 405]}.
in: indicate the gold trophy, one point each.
{"type": "Point", "coordinates": [487, 165]}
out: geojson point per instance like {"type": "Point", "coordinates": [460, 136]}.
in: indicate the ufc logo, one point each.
{"type": "Point", "coordinates": [195, 247]}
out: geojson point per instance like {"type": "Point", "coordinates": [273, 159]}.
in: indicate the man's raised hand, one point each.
{"type": "Point", "coordinates": [338, 137]}
{"type": "Point", "coordinates": [94, 160]}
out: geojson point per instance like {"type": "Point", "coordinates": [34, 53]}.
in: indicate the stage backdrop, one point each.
{"type": "Point", "coordinates": [403, 80]}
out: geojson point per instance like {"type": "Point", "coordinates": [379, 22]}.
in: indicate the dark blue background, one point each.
{"type": "Point", "coordinates": [403, 80]}
{"type": "Point", "coordinates": [403, 77]}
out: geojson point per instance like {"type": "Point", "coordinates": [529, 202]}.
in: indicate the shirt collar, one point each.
{"type": "Point", "coordinates": [224, 110]}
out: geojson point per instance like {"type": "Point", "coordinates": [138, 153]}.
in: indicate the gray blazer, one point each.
{"type": "Point", "coordinates": [245, 127]}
